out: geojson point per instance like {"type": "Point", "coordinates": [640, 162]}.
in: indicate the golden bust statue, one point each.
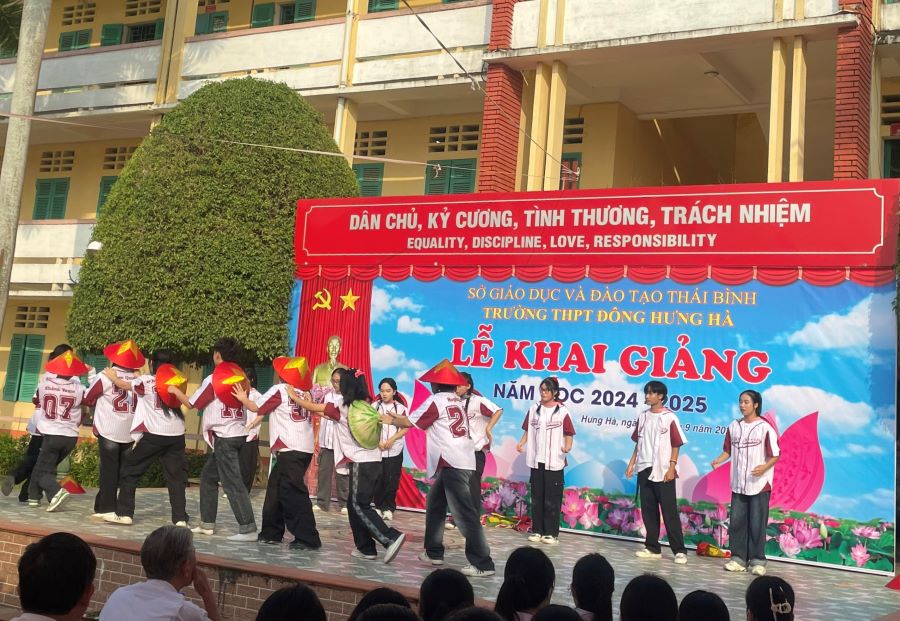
{"type": "Point", "coordinates": [322, 373]}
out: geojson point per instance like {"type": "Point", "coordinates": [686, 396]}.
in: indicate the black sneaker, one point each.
{"type": "Point", "coordinates": [299, 545]}
{"type": "Point", "coordinates": [270, 542]}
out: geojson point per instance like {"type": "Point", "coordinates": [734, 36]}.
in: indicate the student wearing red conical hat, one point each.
{"type": "Point", "coordinates": [113, 415]}
{"type": "Point", "coordinates": [287, 505]}
{"type": "Point", "coordinates": [158, 428]}
{"type": "Point", "coordinates": [59, 396]}
{"type": "Point", "coordinates": [451, 461]}
{"type": "Point", "coordinates": [224, 420]}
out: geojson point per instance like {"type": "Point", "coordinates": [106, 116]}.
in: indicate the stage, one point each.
{"type": "Point", "coordinates": [244, 573]}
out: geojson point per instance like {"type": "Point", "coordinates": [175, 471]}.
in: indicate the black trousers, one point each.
{"type": "Point", "coordinates": [169, 450]}
{"type": "Point", "coordinates": [287, 504]}
{"type": "Point", "coordinates": [249, 461]}
{"type": "Point", "coordinates": [546, 500]}
{"type": "Point", "coordinates": [388, 483]}
{"type": "Point", "coordinates": [112, 458]}
{"type": "Point", "coordinates": [366, 525]}
{"type": "Point", "coordinates": [475, 481]}
{"type": "Point", "coordinates": [22, 472]}
{"type": "Point", "coordinates": [54, 449]}
{"type": "Point", "coordinates": [656, 496]}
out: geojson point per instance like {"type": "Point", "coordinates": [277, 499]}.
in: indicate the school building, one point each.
{"type": "Point", "coordinates": [507, 95]}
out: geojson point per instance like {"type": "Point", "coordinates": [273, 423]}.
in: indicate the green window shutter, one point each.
{"type": "Point", "coordinates": [462, 176]}
{"type": "Point", "coordinates": [160, 28]}
{"type": "Point", "coordinates": [437, 181]}
{"type": "Point", "coordinates": [218, 22]}
{"type": "Point", "coordinates": [111, 34]}
{"type": "Point", "coordinates": [106, 184]}
{"type": "Point", "coordinates": [58, 199]}
{"type": "Point", "coordinates": [203, 24]}
{"type": "Point", "coordinates": [82, 39]}
{"type": "Point", "coordinates": [383, 5]}
{"type": "Point", "coordinates": [265, 377]}
{"type": "Point", "coordinates": [42, 198]}
{"type": "Point", "coordinates": [32, 364]}
{"type": "Point", "coordinates": [369, 177]}
{"type": "Point", "coordinates": [304, 10]}
{"type": "Point", "coordinates": [14, 367]}
{"type": "Point", "coordinates": [98, 361]}
{"type": "Point", "coordinates": [66, 41]}
{"type": "Point", "coordinates": [263, 15]}
{"type": "Point", "coordinates": [207, 370]}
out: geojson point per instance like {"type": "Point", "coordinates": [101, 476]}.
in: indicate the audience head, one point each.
{"type": "Point", "coordinates": [648, 598]}
{"type": "Point", "coordinates": [442, 592]}
{"type": "Point", "coordinates": [389, 612]}
{"type": "Point", "coordinates": [284, 604]}
{"type": "Point", "coordinates": [375, 597]}
{"type": "Point", "coordinates": [702, 606]}
{"type": "Point", "coordinates": [593, 583]}
{"type": "Point", "coordinates": [555, 612]}
{"type": "Point", "coordinates": [527, 583]}
{"type": "Point", "coordinates": [770, 598]}
{"type": "Point", "coordinates": [474, 614]}
{"type": "Point", "coordinates": [56, 576]}
{"type": "Point", "coordinates": [168, 554]}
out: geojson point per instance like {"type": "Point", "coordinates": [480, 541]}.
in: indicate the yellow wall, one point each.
{"type": "Point", "coordinates": [105, 12]}
{"type": "Point", "coordinates": [84, 178]}
{"type": "Point", "coordinates": [408, 140]}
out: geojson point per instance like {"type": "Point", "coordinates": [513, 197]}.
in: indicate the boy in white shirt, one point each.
{"type": "Point", "coordinates": [658, 440]}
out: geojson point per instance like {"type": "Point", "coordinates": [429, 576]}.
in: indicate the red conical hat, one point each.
{"type": "Point", "coordinates": [444, 373]}
{"type": "Point", "coordinates": [67, 364]}
{"type": "Point", "coordinates": [125, 354]}
{"type": "Point", "coordinates": [169, 375]}
{"type": "Point", "coordinates": [225, 377]}
{"type": "Point", "coordinates": [294, 371]}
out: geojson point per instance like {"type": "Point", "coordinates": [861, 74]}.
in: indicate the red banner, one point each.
{"type": "Point", "coordinates": [823, 224]}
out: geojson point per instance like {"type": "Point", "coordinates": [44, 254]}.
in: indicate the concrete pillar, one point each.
{"type": "Point", "coordinates": [538, 130]}
{"type": "Point", "coordinates": [776, 110]}
{"type": "Point", "coordinates": [556, 120]}
{"type": "Point", "coordinates": [345, 116]}
{"type": "Point", "coordinates": [180, 22]}
{"type": "Point", "coordinates": [798, 111]}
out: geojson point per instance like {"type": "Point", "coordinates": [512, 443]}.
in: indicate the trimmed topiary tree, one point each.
{"type": "Point", "coordinates": [197, 232]}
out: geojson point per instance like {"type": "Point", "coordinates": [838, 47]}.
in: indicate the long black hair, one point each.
{"type": "Point", "coordinates": [593, 583]}
{"type": "Point", "coordinates": [769, 597]}
{"type": "Point", "coordinates": [159, 358]}
{"type": "Point", "coordinates": [527, 582]}
{"type": "Point", "coordinates": [354, 387]}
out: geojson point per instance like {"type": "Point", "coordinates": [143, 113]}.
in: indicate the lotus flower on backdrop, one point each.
{"type": "Point", "coordinates": [590, 517]}
{"type": "Point", "coordinates": [866, 532]}
{"type": "Point", "coordinates": [572, 507]}
{"type": "Point", "coordinates": [806, 535]}
{"type": "Point", "coordinates": [859, 554]}
{"type": "Point", "coordinates": [789, 545]}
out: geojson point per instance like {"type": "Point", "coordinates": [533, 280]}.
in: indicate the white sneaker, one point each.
{"type": "Point", "coordinates": [680, 559]}
{"type": "Point", "coordinates": [394, 548]}
{"type": "Point", "coordinates": [535, 537]}
{"type": "Point", "coordinates": [734, 566]}
{"type": "Point", "coordinates": [182, 524]}
{"type": "Point", "coordinates": [123, 520]}
{"type": "Point", "coordinates": [57, 501]}
{"type": "Point", "coordinates": [344, 511]}
{"type": "Point", "coordinates": [244, 537]}
{"type": "Point", "coordinates": [550, 540]}
{"type": "Point", "coordinates": [450, 525]}
{"type": "Point", "coordinates": [474, 572]}
{"type": "Point", "coordinates": [758, 570]}
{"type": "Point", "coordinates": [317, 508]}
{"type": "Point", "coordinates": [388, 515]}
{"type": "Point", "coordinates": [34, 503]}
{"type": "Point", "coordinates": [645, 553]}
{"type": "Point", "coordinates": [365, 557]}
{"type": "Point", "coordinates": [427, 559]}
{"type": "Point", "coordinates": [102, 516]}
{"type": "Point", "coordinates": [199, 530]}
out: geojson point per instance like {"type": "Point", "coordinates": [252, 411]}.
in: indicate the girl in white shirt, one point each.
{"type": "Point", "coordinates": [547, 434]}
{"type": "Point", "coordinates": [752, 445]}
{"type": "Point", "coordinates": [391, 445]}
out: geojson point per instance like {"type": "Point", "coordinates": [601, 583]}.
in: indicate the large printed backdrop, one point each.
{"type": "Point", "coordinates": [822, 357]}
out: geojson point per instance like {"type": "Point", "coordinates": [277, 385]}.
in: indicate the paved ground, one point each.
{"type": "Point", "coordinates": [822, 594]}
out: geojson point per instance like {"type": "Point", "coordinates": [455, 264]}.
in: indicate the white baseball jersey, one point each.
{"type": "Point", "coordinates": [479, 409]}
{"type": "Point", "coordinates": [750, 445]}
{"type": "Point", "coordinates": [447, 428]}
{"type": "Point", "coordinates": [253, 434]}
{"type": "Point", "coordinates": [32, 425]}
{"type": "Point", "coordinates": [60, 401]}
{"type": "Point", "coordinates": [113, 407]}
{"type": "Point", "coordinates": [346, 448]}
{"type": "Point", "coordinates": [394, 408]}
{"type": "Point", "coordinates": [656, 434]}
{"type": "Point", "coordinates": [547, 427]}
{"type": "Point", "coordinates": [149, 415]}
{"type": "Point", "coordinates": [218, 419]}
{"type": "Point", "coordinates": [327, 427]}
{"type": "Point", "coordinates": [290, 426]}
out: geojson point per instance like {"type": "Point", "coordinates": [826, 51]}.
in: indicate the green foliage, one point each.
{"type": "Point", "coordinates": [85, 466]}
{"type": "Point", "coordinates": [197, 232]}
{"type": "Point", "coordinates": [12, 450]}
{"type": "Point", "coordinates": [10, 22]}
